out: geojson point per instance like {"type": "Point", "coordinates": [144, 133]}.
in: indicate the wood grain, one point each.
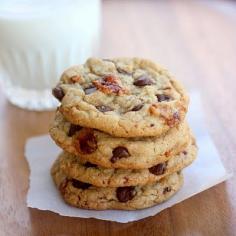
{"type": "Point", "coordinates": [196, 41]}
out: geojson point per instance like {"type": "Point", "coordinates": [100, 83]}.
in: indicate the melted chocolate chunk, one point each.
{"type": "Point", "coordinates": [58, 93]}
{"type": "Point", "coordinates": [185, 152]}
{"type": "Point", "coordinates": [124, 194]}
{"type": "Point", "coordinates": [118, 153]}
{"type": "Point", "coordinates": [158, 169]}
{"type": "Point", "coordinates": [73, 129]}
{"type": "Point", "coordinates": [86, 142]}
{"type": "Point", "coordinates": [143, 81]}
{"type": "Point", "coordinates": [163, 97]}
{"type": "Point", "coordinates": [104, 108]}
{"type": "Point", "coordinates": [78, 184]}
{"type": "Point", "coordinates": [89, 164]}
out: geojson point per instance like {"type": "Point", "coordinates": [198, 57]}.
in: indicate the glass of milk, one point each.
{"type": "Point", "coordinates": [39, 39]}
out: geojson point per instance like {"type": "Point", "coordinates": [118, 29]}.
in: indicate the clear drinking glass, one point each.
{"type": "Point", "coordinates": [39, 39]}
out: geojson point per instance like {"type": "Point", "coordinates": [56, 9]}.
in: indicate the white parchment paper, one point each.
{"type": "Point", "coordinates": [205, 172]}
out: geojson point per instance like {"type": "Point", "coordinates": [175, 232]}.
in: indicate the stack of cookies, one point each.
{"type": "Point", "coordinates": [121, 125]}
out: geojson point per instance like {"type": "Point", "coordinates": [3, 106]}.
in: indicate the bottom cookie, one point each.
{"type": "Point", "coordinates": [87, 196]}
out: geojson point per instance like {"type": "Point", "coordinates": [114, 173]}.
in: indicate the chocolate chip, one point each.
{"type": "Point", "coordinates": [163, 97]}
{"type": "Point", "coordinates": [185, 152]}
{"type": "Point", "coordinates": [124, 194]}
{"type": "Point", "coordinates": [143, 81]}
{"type": "Point", "coordinates": [90, 90]}
{"type": "Point", "coordinates": [158, 169]}
{"type": "Point", "coordinates": [119, 152]}
{"type": "Point", "coordinates": [73, 129]}
{"type": "Point", "coordinates": [86, 142]}
{"type": "Point", "coordinates": [58, 93]}
{"type": "Point", "coordinates": [166, 190]}
{"type": "Point", "coordinates": [137, 108]}
{"type": "Point", "coordinates": [78, 184]}
{"type": "Point", "coordinates": [152, 125]}
{"type": "Point", "coordinates": [104, 108]}
{"type": "Point", "coordinates": [89, 164]}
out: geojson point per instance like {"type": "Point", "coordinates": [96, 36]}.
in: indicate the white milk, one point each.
{"type": "Point", "coordinates": [38, 40]}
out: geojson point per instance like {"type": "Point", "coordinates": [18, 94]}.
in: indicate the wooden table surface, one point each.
{"type": "Point", "coordinates": [196, 41]}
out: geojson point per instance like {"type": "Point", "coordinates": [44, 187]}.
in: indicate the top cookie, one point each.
{"type": "Point", "coordinates": [125, 97]}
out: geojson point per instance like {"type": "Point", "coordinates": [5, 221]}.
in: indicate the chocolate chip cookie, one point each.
{"type": "Point", "coordinates": [125, 97]}
{"type": "Point", "coordinates": [84, 171]}
{"type": "Point", "coordinates": [84, 195]}
{"type": "Point", "coordinates": [113, 152]}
